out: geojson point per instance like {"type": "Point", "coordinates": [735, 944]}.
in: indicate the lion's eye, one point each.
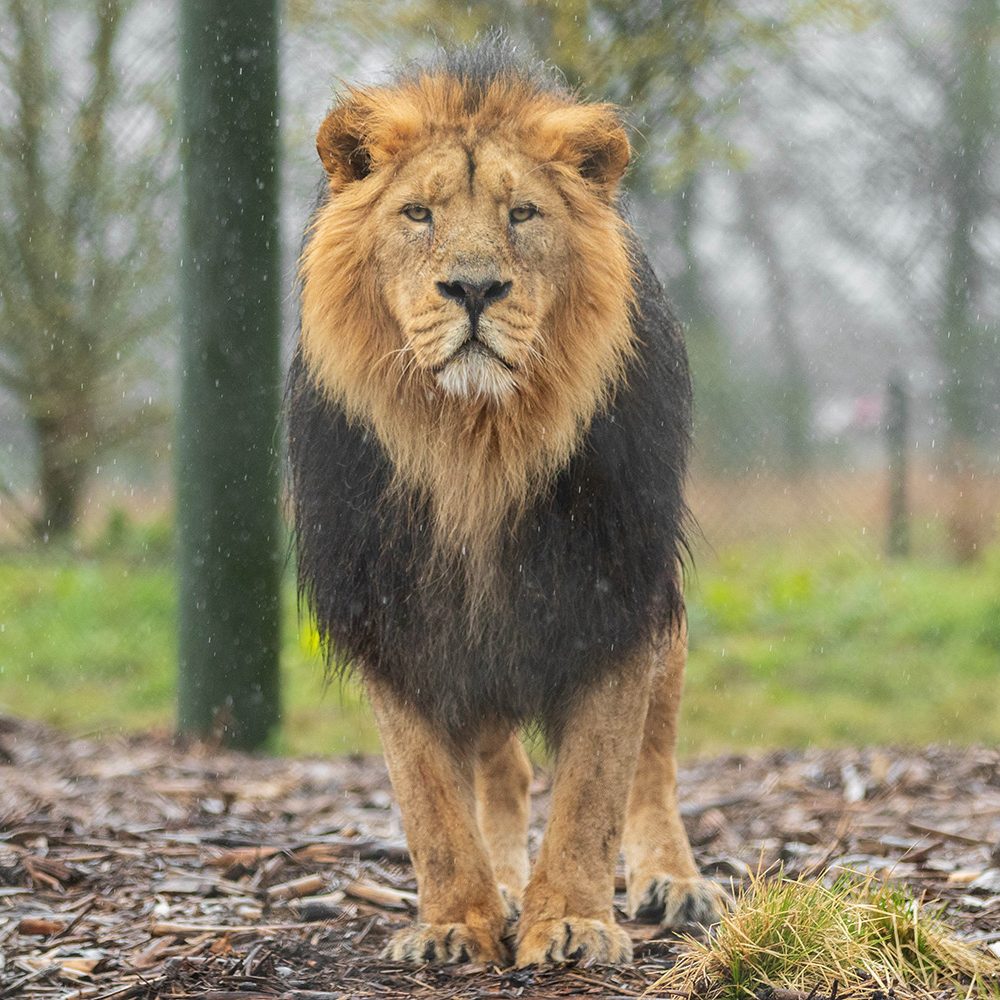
{"type": "Point", "coordinates": [521, 213]}
{"type": "Point", "coordinates": [417, 213]}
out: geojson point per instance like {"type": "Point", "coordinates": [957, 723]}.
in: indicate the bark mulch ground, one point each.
{"type": "Point", "coordinates": [133, 868]}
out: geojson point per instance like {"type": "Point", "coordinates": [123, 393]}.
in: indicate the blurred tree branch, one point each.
{"type": "Point", "coordinates": [82, 273]}
{"type": "Point", "coordinates": [913, 194]}
{"type": "Point", "coordinates": [792, 394]}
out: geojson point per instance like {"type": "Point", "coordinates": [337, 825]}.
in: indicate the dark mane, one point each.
{"type": "Point", "coordinates": [482, 63]}
{"type": "Point", "coordinates": [593, 567]}
{"type": "Point", "coordinates": [588, 575]}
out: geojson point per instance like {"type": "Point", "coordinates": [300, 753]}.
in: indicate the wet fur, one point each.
{"type": "Point", "coordinates": [586, 575]}
{"type": "Point", "coordinates": [566, 566]}
{"type": "Point", "coordinates": [497, 543]}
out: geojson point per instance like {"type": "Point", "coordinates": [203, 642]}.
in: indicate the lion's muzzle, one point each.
{"type": "Point", "coordinates": [474, 295]}
{"type": "Point", "coordinates": [476, 365]}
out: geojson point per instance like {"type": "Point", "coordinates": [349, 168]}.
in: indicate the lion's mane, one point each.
{"type": "Point", "coordinates": [487, 561]}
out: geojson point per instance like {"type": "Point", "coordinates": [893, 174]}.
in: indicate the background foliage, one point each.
{"type": "Point", "coordinates": [818, 184]}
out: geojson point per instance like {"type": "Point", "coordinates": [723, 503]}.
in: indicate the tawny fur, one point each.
{"type": "Point", "coordinates": [460, 904]}
{"type": "Point", "coordinates": [503, 805]}
{"type": "Point", "coordinates": [466, 822]}
{"type": "Point", "coordinates": [567, 910]}
{"type": "Point", "coordinates": [663, 883]}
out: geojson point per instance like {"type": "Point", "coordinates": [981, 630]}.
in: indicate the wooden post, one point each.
{"type": "Point", "coordinates": [227, 462]}
{"type": "Point", "coordinates": [897, 436]}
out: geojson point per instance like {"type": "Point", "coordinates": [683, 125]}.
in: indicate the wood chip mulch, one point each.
{"type": "Point", "coordinates": [133, 868]}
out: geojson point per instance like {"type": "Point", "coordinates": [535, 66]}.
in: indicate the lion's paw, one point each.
{"type": "Point", "coordinates": [445, 944]}
{"type": "Point", "coordinates": [678, 902]}
{"type": "Point", "coordinates": [573, 939]}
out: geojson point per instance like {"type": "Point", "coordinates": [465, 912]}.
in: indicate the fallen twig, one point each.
{"type": "Point", "coordinates": [169, 929]}
{"type": "Point", "coordinates": [305, 886]}
{"type": "Point", "coordinates": [380, 895]}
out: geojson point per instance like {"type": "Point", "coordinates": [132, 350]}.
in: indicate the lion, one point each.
{"type": "Point", "coordinates": [489, 411]}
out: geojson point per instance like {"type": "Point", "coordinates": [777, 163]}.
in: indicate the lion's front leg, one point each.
{"type": "Point", "coordinates": [568, 904]}
{"type": "Point", "coordinates": [461, 914]}
{"type": "Point", "coordinates": [663, 882]}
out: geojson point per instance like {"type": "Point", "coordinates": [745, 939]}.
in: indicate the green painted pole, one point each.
{"type": "Point", "coordinates": [227, 465]}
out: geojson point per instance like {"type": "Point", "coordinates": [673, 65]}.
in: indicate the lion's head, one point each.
{"type": "Point", "coordinates": [466, 287]}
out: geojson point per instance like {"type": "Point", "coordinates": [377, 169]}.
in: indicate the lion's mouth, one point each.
{"type": "Point", "coordinates": [475, 371]}
{"type": "Point", "coordinates": [472, 348]}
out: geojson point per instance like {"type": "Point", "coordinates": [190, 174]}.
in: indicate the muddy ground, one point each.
{"type": "Point", "coordinates": [133, 868]}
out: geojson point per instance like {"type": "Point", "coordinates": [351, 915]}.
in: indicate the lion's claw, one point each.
{"type": "Point", "coordinates": [444, 944]}
{"type": "Point", "coordinates": [679, 902]}
{"type": "Point", "coordinates": [573, 939]}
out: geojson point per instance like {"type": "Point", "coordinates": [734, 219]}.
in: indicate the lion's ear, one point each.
{"type": "Point", "coordinates": [366, 130]}
{"type": "Point", "coordinates": [342, 143]}
{"type": "Point", "coordinates": [591, 138]}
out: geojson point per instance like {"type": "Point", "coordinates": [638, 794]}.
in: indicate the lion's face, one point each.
{"type": "Point", "coordinates": [472, 250]}
{"type": "Point", "coordinates": [466, 288]}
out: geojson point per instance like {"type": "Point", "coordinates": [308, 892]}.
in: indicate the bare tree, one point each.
{"type": "Point", "coordinates": [929, 132]}
{"type": "Point", "coordinates": [964, 342]}
{"type": "Point", "coordinates": [83, 164]}
{"type": "Point", "coordinates": [791, 387]}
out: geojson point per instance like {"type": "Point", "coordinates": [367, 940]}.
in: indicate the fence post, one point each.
{"type": "Point", "coordinates": [227, 426]}
{"type": "Point", "coordinates": [897, 437]}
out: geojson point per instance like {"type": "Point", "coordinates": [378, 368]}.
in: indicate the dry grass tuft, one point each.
{"type": "Point", "coordinates": [831, 937]}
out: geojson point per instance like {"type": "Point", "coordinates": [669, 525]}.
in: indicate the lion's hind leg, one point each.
{"type": "Point", "coordinates": [462, 916]}
{"type": "Point", "coordinates": [502, 781]}
{"type": "Point", "coordinates": [663, 882]}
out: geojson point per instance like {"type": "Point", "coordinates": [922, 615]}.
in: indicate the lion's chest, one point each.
{"type": "Point", "coordinates": [585, 577]}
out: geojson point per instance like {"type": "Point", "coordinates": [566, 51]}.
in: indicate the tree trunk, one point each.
{"type": "Point", "coordinates": [228, 464]}
{"type": "Point", "coordinates": [61, 478]}
{"type": "Point", "coordinates": [720, 423]}
{"type": "Point", "coordinates": [792, 398]}
{"type": "Point", "coordinates": [963, 341]}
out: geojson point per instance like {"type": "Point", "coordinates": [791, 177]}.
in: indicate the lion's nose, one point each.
{"type": "Point", "coordinates": [474, 295]}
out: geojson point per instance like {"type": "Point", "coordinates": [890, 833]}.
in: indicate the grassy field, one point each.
{"type": "Point", "coordinates": [788, 647]}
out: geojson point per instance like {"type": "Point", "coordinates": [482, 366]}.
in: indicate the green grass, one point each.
{"type": "Point", "coordinates": [88, 644]}
{"type": "Point", "coordinates": [789, 647]}
{"type": "Point", "coordinates": [843, 932]}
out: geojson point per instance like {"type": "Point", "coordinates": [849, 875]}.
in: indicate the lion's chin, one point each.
{"type": "Point", "coordinates": [476, 374]}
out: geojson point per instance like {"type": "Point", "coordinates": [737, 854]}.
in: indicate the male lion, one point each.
{"type": "Point", "coordinates": [489, 412]}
